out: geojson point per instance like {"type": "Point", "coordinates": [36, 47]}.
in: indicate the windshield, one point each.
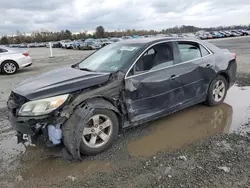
{"type": "Point", "coordinates": [110, 58]}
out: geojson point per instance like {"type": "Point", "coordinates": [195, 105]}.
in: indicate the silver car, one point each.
{"type": "Point", "coordinates": [13, 59]}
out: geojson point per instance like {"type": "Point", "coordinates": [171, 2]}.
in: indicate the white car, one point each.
{"type": "Point", "coordinates": [13, 59]}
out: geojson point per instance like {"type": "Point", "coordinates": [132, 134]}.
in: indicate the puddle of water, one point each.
{"type": "Point", "coordinates": [238, 98]}
{"type": "Point", "coordinates": [34, 163]}
{"type": "Point", "coordinates": [196, 123]}
{"type": "Point", "coordinates": [183, 128]}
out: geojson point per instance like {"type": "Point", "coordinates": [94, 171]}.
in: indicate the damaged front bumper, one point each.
{"type": "Point", "coordinates": [46, 126]}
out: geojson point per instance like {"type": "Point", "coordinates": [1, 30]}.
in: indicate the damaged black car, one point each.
{"type": "Point", "coordinates": [84, 106]}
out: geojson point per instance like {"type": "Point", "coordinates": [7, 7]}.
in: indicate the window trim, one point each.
{"type": "Point", "coordinates": [209, 51]}
{"type": "Point", "coordinates": [206, 50]}
{"type": "Point", "coordinates": [180, 40]}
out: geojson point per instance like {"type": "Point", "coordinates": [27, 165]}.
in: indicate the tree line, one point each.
{"type": "Point", "coordinates": [47, 36]}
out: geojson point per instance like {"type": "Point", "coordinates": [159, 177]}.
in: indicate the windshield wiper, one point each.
{"type": "Point", "coordinates": [86, 69]}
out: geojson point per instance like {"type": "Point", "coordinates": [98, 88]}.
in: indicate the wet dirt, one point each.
{"type": "Point", "coordinates": [35, 164]}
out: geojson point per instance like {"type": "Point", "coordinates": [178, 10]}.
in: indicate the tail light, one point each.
{"type": "Point", "coordinates": [26, 54]}
{"type": "Point", "coordinates": [234, 54]}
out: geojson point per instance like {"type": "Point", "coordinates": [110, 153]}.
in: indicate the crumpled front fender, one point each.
{"type": "Point", "coordinates": [73, 127]}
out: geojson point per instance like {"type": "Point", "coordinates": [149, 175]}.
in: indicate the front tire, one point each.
{"type": "Point", "coordinates": [100, 132]}
{"type": "Point", "coordinates": [96, 132]}
{"type": "Point", "coordinates": [9, 67]}
{"type": "Point", "coordinates": [217, 91]}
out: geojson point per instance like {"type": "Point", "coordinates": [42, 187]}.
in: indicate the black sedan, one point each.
{"type": "Point", "coordinates": [123, 84]}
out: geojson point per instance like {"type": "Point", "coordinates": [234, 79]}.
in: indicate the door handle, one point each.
{"type": "Point", "coordinates": [173, 77]}
{"type": "Point", "coordinates": [208, 66]}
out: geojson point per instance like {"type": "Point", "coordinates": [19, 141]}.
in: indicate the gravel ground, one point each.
{"type": "Point", "coordinates": [220, 161]}
{"type": "Point", "coordinates": [196, 147]}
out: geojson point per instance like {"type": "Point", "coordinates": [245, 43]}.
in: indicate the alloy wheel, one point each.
{"type": "Point", "coordinates": [219, 91]}
{"type": "Point", "coordinates": [97, 132]}
{"type": "Point", "coordinates": [9, 67]}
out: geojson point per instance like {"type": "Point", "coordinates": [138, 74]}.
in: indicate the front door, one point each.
{"type": "Point", "coordinates": [153, 85]}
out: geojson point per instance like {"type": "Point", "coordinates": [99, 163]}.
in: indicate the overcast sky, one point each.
{"type": "Point", "coordinates": [79, 15]}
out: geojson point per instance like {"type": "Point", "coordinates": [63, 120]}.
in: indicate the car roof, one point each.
{"type": "Point", "coordinates": [146, 41]}
{"type": "Point", "coordinates": [149, 41]}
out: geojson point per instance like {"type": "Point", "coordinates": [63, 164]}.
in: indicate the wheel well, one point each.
{"type": "Point", "coordinates": [100, 102]}
{"type": "Point", "coordinates": [9, 60]}
{"type": "Point", "coordinates": [225, 75]}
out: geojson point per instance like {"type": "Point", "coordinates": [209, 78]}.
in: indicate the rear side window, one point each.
{"type": "Point", "coordinates": [191, 51]}
{"type": "Point", "coordinates": [3, 50]}
{"type": "Point", "coordinates": [204, 51]}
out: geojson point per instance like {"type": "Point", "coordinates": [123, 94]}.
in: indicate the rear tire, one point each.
{"type": "Point", "coordinates": [217, 91]}
{"type": "Point", "coordinates": [9, 67]}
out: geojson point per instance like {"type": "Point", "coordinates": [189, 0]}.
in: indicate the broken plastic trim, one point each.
{"type": "Point", "coordinates": [72, 132]}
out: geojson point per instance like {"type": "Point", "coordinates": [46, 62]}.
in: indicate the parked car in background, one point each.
{"type": "Point", "coordinates": [201, 36]}
{"type": "Point", "coordinates": [114, 39]}
{"type": "Point", "coordinates": [91, 45]}
{"type": "Point", "coordinates": [55, 44]}
{"type": "Point", "coordinates": [161, 35]}
{"type": "Point", "coordinates": [13, 59]}
{"type": "Point", "coordinates": [123, 84]}
{"type": "Point", "coordinates": [104, 41]}
{"type": "Point", "coordinates": [236, 33]}
{"type": "Point", "coordinates": [245, 32]}
{"type": "Point", "coordinates": [136, 36]}
{"type": "Point", "coordinates": [23, 45]}
{"type": "Point", "coordinates": [239, 32]}
{"type": "Point", "coordinates": [190, 35]}
{"type": "Point", "coordinates": [31, 45]}
{"type": "Point", "coordinates": [218, 34]}
{"type": "Point", "coordinates": [69, 45]}
{"type": "Point", "coordinates": [64, 42]}
{"type": "Point", "coordinates": [229, 33]}
{"type": "Point", "coordinates": [212, 34]}
{"type": "Point", "coordinates": [148, 36]}
{"type": "Point", "coordinates": [126, 37]}
{"type": "Point", "coordinates": [89, 40]}
{"type": "Point", "coordinates": [77, 44]}
{"type": "Point", "coordinates": [224, 33]}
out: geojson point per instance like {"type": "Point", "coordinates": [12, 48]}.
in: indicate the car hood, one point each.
{"type": "Point", "coordinates": [58, 82]}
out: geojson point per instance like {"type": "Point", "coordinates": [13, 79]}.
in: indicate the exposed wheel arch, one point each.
{"type": "Point", "coordinates": [104, 103]}
{"type": "Point", "coordinates": [225, 75]}
{"type": "Point", "coordinates": [99, 102]}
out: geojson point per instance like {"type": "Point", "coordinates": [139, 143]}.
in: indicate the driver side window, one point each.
{"type": "Point", "coordinates": [157, 57]}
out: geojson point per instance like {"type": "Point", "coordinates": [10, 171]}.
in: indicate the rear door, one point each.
{"type": "Point", "coordinates": [198, 64]}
